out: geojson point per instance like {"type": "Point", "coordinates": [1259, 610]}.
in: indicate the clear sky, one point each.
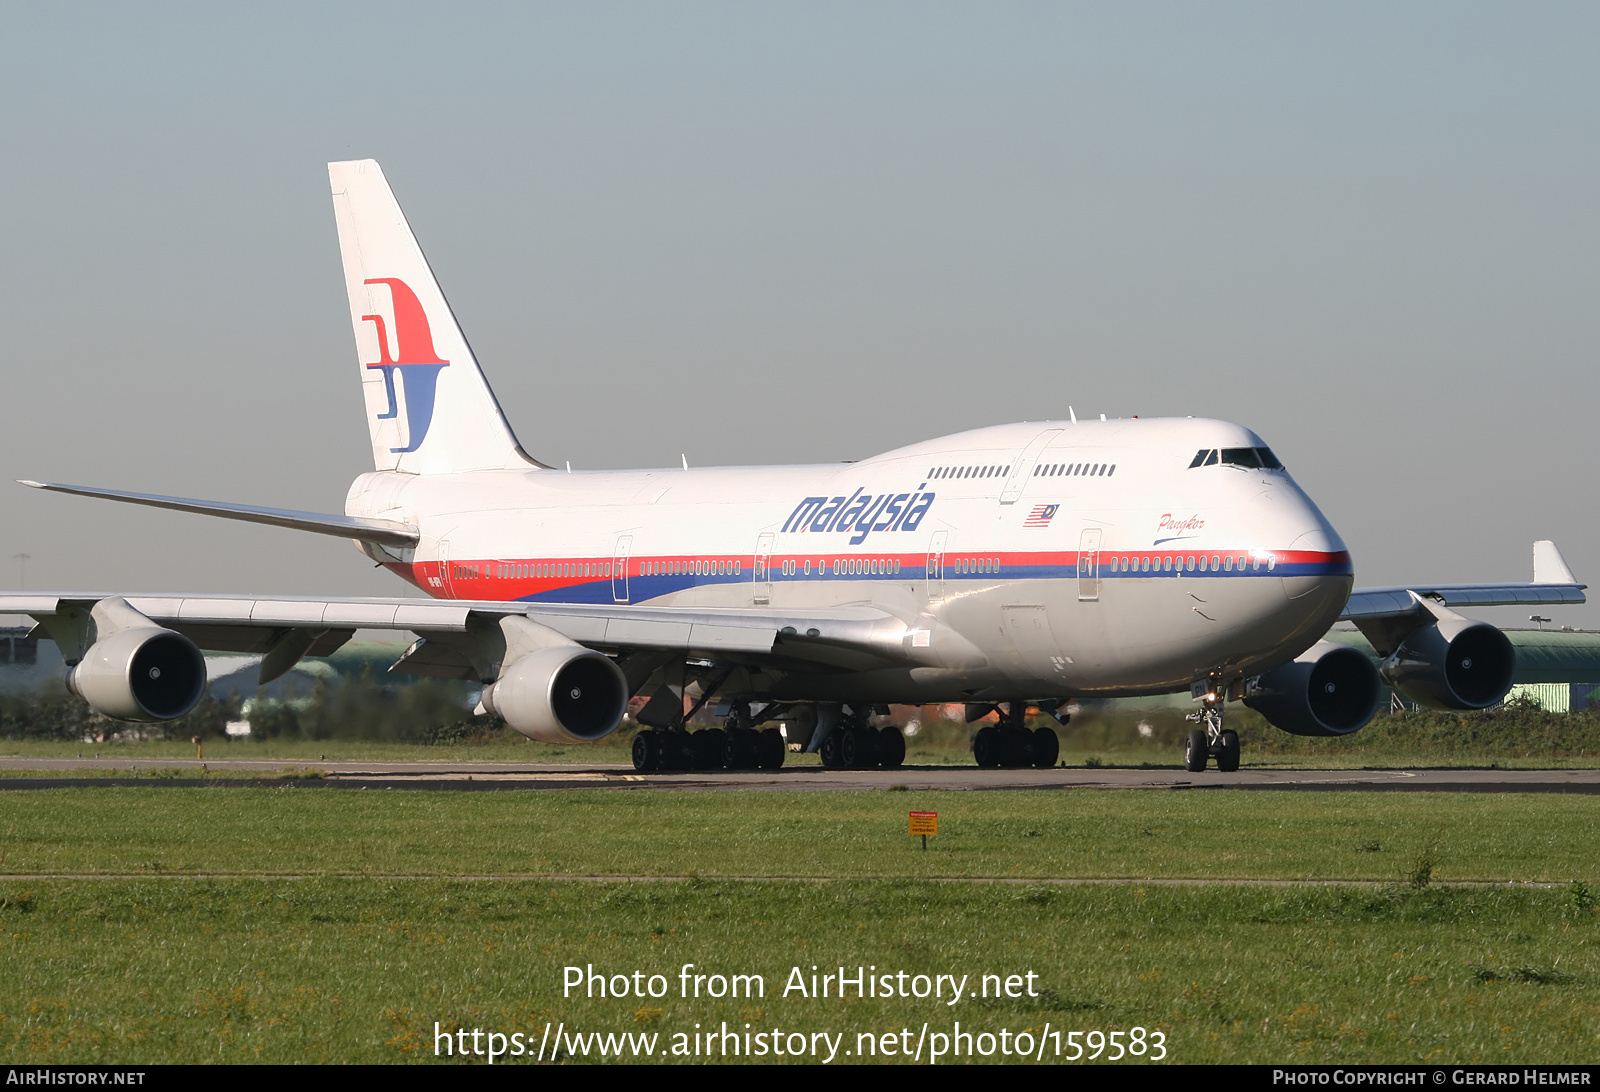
{"type": "Point", "coordinates": [772, 233]}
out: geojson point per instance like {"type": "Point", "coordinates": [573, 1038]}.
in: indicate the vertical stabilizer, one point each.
{"type": "Point", "coordinates": [429, 408]}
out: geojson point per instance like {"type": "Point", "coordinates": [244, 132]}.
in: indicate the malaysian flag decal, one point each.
{"type": "Point", "coordinates": [1041, 515]}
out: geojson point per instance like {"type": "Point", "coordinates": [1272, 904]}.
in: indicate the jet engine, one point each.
{"type": "Point", "coordinates": [1452, 663]}
{"type": "Point", "coordinates": [145, 673]}
{"type": "Point", "coordinates": [1329, 690]}
{"type": "Point", "coordinates": [554, 690]}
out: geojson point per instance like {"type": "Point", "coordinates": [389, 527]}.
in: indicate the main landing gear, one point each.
{"type": "Point", "coordinates": [735, 746]}
{"type": "Point", "coordinates": [856, 744]}
{"type": "Point", "coordinates": [1211, 739]}
{"type": "Point", "coordinates": [1010, 743]}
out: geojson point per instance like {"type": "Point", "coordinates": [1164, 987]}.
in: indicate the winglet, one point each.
{"type": "Point", "coordinates": [1549, 567]}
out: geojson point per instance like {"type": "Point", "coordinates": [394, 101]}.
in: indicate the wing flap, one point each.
{"type": "Point", "coordinates": [258, 639]}
{"type": "Point", "coordinates": [649, 631]}
{"type": "Point", "coordinates": [713, 639]}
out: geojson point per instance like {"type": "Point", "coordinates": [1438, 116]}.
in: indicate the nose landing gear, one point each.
{"type": "Point", "coordinates": [1211, 739]}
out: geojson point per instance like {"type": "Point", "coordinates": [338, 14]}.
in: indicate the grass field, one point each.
{"type": "Point", "coordinates": [383, 932]}
{"type": "Point", "coordinates": [613, 832]}
{"type": "Point", "coordinates": [360, 970]}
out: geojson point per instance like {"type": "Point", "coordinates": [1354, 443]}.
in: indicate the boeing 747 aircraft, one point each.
{"type": "Point", "coordinates": [1010, 568]}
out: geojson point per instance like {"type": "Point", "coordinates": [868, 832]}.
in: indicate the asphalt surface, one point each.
{"type": "Point", "coordinates": [482, 776]}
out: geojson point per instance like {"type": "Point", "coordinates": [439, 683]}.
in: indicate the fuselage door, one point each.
{"type": "Point", "coordinates": [763, 569]}
{"type": "Point", "coordinates": [936, 565]}
{"type": "Point", "coordinates": [445, 589]}
{"type": "Point", "coordinates": [619, 569]}
{"type": "Point", "coordinates": [1022, 469]}
{"type": "Point", "coordinates": [1089, 564]}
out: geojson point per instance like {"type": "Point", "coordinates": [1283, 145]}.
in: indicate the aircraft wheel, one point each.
{"type": "Point", "coordinates": [738, 749]}
{"type": "Point", "coordinates": [754, 747]}
{"type": "Point", "coordinates": [673, 751]}
{"type": "Point", "coordinates": [986, 746]}
{"type": "Point", "coordinates": [1194, 750]}
{"type": "Point", "coordinates": [1014, 749]}
{"type": "Point", "coordinates": [891, 747]}
{"type": "Point", "coordinates": [857, 748]}
{"type": "Point", "coordinates": [1228, 752]}
{"type": "Point", "coordinates": [708, 745]}
{"type": "Point", "coordinates": [646, 751]}
{"type": "Point", "coordinates": [1046, 747]}
{"type": "Point", "coordinates": [830, 749]}
{"type": "Point", "coordinates": [771, 749]}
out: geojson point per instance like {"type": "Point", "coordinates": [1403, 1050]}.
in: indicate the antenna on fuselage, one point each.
{"type": "Point", "coordinates": [1072, 415]}
{"type": "Point", "coordinates": [685, 459]}
{"type": "Point", "coordinates": [569, 466]}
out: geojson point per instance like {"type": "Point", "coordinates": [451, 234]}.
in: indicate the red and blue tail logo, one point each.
{"type": "Point", "coordinates": [414, 355]}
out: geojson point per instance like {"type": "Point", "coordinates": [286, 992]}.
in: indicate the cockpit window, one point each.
{"type": "Point", "coordinates": [1254, 458]}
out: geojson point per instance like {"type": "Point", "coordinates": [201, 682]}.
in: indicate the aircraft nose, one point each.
{"type": "Point", "coordinates": [1316, 562]}
{"type": "Point", "coordinates": [1313, 565]}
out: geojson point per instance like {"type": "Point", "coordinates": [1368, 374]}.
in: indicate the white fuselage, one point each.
{"type": "Point", "coordinates": [1042, 560]}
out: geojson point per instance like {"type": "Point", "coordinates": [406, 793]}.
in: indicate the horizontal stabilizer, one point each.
{"type": "Point", "coordinates": [381, 531]}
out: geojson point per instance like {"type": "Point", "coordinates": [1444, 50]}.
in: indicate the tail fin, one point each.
{"type": "Point", "coordinates": [429, 408]}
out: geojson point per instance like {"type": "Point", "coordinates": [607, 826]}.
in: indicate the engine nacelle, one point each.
{"type": "Point", "coordinates": [1453, 664]}
{"type": "Point", "coordinates": [145, 673]}
{"type": "Point", "coordinates": [1329, 690]}
{"type": "Point", "coordinates": [560, 694]}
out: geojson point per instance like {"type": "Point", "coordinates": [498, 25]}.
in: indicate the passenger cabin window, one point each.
{"type": "Point", "coordinates": [1081, 470]}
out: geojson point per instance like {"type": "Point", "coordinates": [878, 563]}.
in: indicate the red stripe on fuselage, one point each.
{"type": "Point", "coordinates": [520, 579]}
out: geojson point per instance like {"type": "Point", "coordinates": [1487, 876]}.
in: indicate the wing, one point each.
{"type": "Point", "coordinates": [461, 639]}
{"type": "Point", "coordinates": [1385, 615]}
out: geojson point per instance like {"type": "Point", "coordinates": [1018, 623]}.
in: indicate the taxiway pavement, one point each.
{"type": "Point", "coordinates": [479, 776]}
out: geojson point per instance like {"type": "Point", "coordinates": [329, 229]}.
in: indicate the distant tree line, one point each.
{"type": "Point", "coordinates": [337, 707]}
{"type": "Point", "coordinates": [367, 707]}
{"type": "Point", "coordinates": [52, 713]}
